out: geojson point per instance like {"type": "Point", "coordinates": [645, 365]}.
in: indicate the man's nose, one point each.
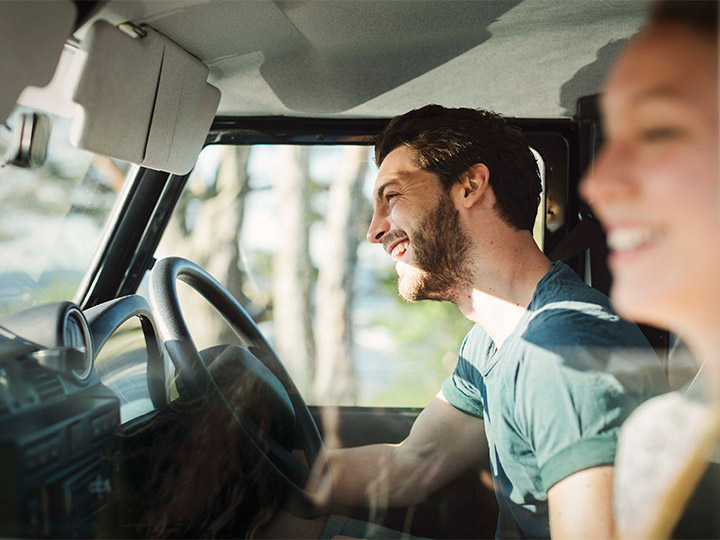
{"type": "Point", "coordinates": [610, 178]}
{"type": "Point", "coordinates": [378, 227]}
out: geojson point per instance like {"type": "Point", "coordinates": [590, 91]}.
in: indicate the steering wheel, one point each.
{"type": "Point", "coordinates": [307, 496]}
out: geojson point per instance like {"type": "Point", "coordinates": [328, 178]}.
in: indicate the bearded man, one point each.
{"type": "Point", "coordinates": [543, 374]}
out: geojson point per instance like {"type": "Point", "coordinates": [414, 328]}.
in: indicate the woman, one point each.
{"type": "Point", "coordinates": [655, 188]}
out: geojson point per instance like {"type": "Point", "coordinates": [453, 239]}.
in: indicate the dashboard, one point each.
{"type": "Point", "coordinates": [58, 418]}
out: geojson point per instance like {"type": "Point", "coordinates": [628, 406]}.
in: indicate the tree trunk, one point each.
{"type": "Point", "coordinates": [213, 243]}
{"type": "Point", "coordinates": [335, 381]}
{"type": "Point", "coordinates": [292, 268]}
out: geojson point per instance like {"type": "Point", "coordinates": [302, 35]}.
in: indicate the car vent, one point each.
{"type": "Point", "coordinates": [77, 336]}
{"type": "Point", "coordinates": [45, 382]}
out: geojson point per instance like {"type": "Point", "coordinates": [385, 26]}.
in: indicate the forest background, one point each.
{"type": "Point", "coordinates": [282, 227]}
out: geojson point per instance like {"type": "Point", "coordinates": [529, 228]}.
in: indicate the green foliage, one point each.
{"type": "Point", "coordinates": [428, 374]}
{"type": "Point", "coordinates": [429, 335]}
{"type": "Point", "coordinates": [427, 324]}
{"type": "Point", "coordinates": [61, 287]}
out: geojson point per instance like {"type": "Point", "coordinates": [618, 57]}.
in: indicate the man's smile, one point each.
{"type": "Point", "coordinates": [399, 250]}
{"type": "Point", "coordinates": [396, 244]}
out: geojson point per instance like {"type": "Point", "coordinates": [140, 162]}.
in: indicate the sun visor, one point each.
{"type": "Point", "coordinates": [32, 35]}
{"type": "Point", "coordinates": [142, 99]}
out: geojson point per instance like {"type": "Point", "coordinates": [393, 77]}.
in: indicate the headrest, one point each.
{"type": "Point", "coordinates": [32, 35]}
{"type": "Point", "coordinates": [142, 99]}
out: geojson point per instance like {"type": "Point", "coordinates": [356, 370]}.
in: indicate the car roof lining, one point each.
{"type": "Point", "coordinates": [31, 37]}
{"type": "Point", "coordinates": [525, 58]}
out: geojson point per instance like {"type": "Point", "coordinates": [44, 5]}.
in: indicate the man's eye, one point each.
{"type": "Point", "coordinates": [659, 134]}
{"type": "Point", "coordinates": [389, 196]}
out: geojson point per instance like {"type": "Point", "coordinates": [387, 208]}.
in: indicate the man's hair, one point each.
{"type": "Point", "coordinates": [450, 141]}
{"type": "Point", "coordinates": [699, 15]}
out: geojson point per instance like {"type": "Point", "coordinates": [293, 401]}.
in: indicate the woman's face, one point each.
{"type": "Point", "coordinates": [655, 184]}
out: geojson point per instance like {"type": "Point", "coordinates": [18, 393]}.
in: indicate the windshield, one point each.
{"type": "Point", "coordinates": [283, 228]}
{"type": "Point", "coordinates": [52, 218]}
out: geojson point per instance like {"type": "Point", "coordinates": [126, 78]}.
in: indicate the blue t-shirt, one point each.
{"type": "Point", "coordinates": [554, 395]}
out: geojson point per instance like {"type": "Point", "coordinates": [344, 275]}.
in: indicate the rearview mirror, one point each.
{"type": "Point", "coordinates": [25, 144]}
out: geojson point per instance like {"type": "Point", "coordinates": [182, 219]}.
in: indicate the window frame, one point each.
{"type": "Point", "coordinates": [134, 231]}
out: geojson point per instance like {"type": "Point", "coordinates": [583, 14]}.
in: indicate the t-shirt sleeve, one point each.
{"type": "Point", "coordinates": [570, 416]}
{"type": "Point", "coordinates": [460, 389]}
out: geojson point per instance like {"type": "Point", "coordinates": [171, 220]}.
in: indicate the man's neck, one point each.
{"type": "Point", "coordinates": [503, 288]}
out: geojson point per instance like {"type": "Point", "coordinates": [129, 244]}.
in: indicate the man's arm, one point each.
{"type": "Point", "coordinates": [581, 505]}
{"type": "Point", "coordinates": [442, 443]}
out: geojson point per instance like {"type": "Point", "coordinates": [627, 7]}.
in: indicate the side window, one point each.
{"type": "Point", "coordinates": [539, 227]}
{"type": "Point", "coordinates": [283, 228]}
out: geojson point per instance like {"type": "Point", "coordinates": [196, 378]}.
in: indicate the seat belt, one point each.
{"type": "Point", "coordinates": [588, 234]}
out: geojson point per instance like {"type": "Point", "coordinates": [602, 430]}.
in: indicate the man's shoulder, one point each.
{"type": "Point", "coordinates": [568, 312]}
{"type": "Point", "coordinates": [575, 334]}
{"type": "Point", "coordinates": [476, 342]}
{"type": "Point", "coordinates": [565, 294]}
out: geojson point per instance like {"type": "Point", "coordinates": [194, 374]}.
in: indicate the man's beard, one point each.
{"type": "Point", "coordinates": [440, 267]}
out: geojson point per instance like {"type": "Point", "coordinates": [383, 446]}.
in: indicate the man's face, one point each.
{"type": "Point", "coordinates": [418, 225]}
{"type": "Point", "coordinates": [655, 185]}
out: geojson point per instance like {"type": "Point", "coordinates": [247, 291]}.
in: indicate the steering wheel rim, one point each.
{"type": "Point", "coordinates": [308, 490]}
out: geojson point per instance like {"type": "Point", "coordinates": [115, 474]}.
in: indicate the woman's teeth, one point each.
{"type": "Point", "coordinates": [627, 239]}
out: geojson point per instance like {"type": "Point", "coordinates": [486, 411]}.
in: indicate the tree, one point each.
{"type": "Point", "coordinates": [335, 378]}
{"type": "Point", "coordinates": [212, 241]}
{"type": "Point", "coordinates": [315, 345]}
{"type": "Point", "coordinates": [292, 268]}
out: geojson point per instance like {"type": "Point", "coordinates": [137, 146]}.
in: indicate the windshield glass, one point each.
{"type": "Point", "coordinates": [283, 228]}
{"type": "Point", "coordinates": [52, 218]}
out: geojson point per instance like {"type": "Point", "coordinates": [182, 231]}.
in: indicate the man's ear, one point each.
{"type": "Point", "coordinates": [474, 184]}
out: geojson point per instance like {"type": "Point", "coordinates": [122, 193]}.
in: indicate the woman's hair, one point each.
{"type": "Point", "coordinates": [700, 15]}
{"type": "Point", "coordinates": [192, 476]}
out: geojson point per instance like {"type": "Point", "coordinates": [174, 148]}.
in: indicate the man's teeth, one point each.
{"type": "Point", "coordinates": [398, 250]}
{"type": "Point", "coordinates": [625, 239]}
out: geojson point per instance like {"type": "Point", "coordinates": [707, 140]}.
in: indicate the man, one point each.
{"type": "Point", "coordinates": [455, 201]}
{"type": "Point", "coordinates": [656, 189]}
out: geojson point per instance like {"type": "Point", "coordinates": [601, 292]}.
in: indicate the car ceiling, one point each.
{"type": "Point", "coordinates": [376, 58]}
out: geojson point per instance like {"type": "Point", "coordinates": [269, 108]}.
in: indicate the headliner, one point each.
{"type": "Point", "coordinates": [378, 58]}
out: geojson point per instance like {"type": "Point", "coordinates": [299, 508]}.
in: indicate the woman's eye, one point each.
{"type": "Point", "coordinates": [659, 134]}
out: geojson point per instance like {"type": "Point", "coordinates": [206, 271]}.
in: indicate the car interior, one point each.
{"type": "Point", "coordinates": [131, 124]}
